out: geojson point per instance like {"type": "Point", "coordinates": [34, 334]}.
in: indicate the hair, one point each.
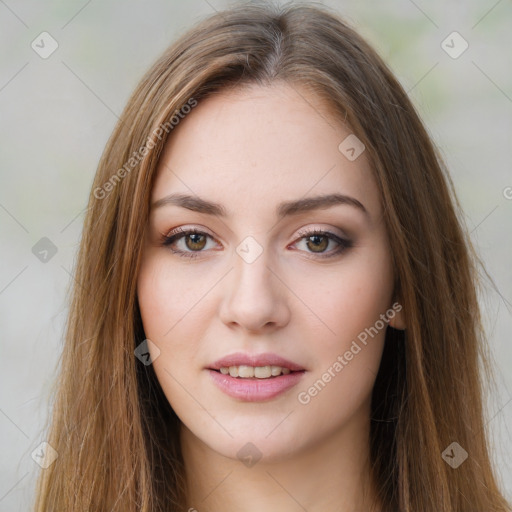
{"type": "Point", "coordinates": [117, 436]}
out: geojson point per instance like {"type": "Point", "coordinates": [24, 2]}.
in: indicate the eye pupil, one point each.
{"type": "Point", "coordinates": [320, 242]}
{"type": "Point", "coordinates": [198, 241]}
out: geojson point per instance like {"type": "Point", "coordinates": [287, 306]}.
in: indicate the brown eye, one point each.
{"type": "Point", "coordinates": [195, 241]}
{"type": "Point", "coordinates": [188, 243]}
{"type": "Point", "coordinates": [317, 243]}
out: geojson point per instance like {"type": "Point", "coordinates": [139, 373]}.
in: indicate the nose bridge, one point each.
{"type": "Point", "coordinates": [251, 259]}
{"type": "Point", "coordinates": [255, 297]}
{"type": "Point", "coordinates": [252, 275]}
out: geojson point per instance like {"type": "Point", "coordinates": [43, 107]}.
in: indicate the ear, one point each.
{"type": "Point", "coordinates": [396, 316]}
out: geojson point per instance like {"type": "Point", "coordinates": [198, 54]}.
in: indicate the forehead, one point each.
{"type": "Point", "coordinates": [259, 146]}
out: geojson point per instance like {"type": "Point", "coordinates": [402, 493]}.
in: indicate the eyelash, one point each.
{"type": "Point", "coordinates": [177, 234]}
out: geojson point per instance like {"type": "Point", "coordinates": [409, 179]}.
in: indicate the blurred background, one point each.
{"type": "Point", "coordinates": [66, 71]}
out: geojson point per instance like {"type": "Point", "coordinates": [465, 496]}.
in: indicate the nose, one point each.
{"type": "Point", "coordinates": [254, 298]}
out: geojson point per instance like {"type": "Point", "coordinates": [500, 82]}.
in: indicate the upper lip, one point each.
{"type": "Point", "coordinates": [266, 359]}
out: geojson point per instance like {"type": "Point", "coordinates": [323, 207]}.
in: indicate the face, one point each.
{"type": "Point", "coordinates": [286, 289]}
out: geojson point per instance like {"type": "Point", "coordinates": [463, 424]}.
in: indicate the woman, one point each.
{"type": "Point", "coordinates": [275, 304]}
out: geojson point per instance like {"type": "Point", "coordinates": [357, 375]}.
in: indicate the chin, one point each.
{"type": "Point", "coordinates": [253, 441]}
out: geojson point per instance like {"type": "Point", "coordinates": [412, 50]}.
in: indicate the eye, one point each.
{"type": "Point", "coordinates": [192, 241]}
{"type": "Point", "coordinates": [188, 243]}
{"type": "Point", "coordinates": [318, 241]}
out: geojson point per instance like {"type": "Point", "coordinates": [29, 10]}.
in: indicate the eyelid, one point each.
{"type": "Point", "coordinates": [305, 231]}
{"type": "Point", "coordinates": [188, 229]}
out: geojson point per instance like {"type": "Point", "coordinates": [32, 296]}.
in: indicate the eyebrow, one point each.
{"type": "Point", "coordinates": [286, 208]}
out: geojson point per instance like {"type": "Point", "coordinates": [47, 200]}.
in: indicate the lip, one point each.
{"type": "Point", "coordinates": [266, 359]}
{"type": "Point", "coordinates": [254, 389]}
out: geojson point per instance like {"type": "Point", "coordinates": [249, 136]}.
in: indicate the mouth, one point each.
{"type": "Point", "coordinates": [255, 378]}
{"type": "Point", "coordinates": [255, 365]}
{"type": "Point", "coordinates": [254, 372]}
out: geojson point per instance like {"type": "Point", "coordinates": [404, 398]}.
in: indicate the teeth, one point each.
{"type": "Point", "coordinates": [260, 372]}
{"type": "Point", "coordinates": [245, 372]}
{"type": "Point", "coordinates": [275, 371]}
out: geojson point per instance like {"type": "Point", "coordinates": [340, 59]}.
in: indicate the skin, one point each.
{"type": "Point", "coordinates": [250, 149]}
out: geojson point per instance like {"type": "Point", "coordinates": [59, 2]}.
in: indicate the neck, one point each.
{"type": "Point", "coordinates": [331, 475]}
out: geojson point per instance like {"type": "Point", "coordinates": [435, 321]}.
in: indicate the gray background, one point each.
{"type": "Point", "coordinates": [57, 113]}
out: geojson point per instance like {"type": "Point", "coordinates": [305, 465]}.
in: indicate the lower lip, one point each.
{"type": "Point", "coordinates": [255, 390]}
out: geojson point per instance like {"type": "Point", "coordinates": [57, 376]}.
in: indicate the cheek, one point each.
{"type": "Point", "coordinates": [154, 291]}
{"type": "Point", "coordinates": [169, 298]}
{"type": "Point", "coordinates": [350, 302]}
{"type": "Point", "coordinates": [168, 322]}
{"type": "Point", "coordinates": [348, 298]}
{"type": "Point", "coordinates": [171, 311]}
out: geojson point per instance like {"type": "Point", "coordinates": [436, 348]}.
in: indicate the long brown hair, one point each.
{"type": "Point", "coordinates": [116, 435]}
